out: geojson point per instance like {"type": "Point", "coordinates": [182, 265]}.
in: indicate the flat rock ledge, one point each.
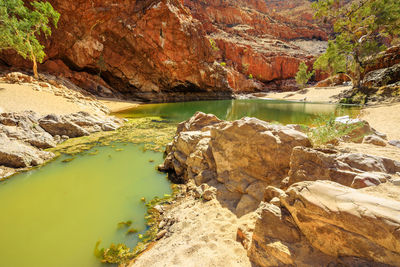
{"type": "Point", "coordinates": [311, 207]}
{"type": "Point", "coordinates": [24, 135]}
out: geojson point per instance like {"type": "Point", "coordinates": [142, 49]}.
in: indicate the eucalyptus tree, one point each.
{"type": "Point", "coordinates": [21, 26]}
{"type": "Point", "coordinates": [362, 29]}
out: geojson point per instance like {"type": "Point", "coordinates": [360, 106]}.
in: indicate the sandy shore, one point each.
{"type": "Point", "coordinates": [312, 94]}
{"type": "Point", "coordinates": [203, 234]}
{"type": "Point", "coordinates": [21, 97]}
{"type": "Point", "coordinates": [115, 105]}
{"type": "Point", "coordinates": [16, 97]}
{"type": "Point", "coordinates": [385, 119]}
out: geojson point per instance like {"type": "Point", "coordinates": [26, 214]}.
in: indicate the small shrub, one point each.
{"type": "Point", "coordinates": [250, 76]}
{"type": "Point", "coordinates": [327, 130]}
{"type": "Point", "coordinates": [223, 64]}
{"type": "Point", "coordinates": [302, 76]}
{"type": "Point", "coordinates": [213, 44]}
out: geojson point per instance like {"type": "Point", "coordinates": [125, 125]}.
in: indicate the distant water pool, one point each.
{"type": "Point", "coordinates": [269, 110]}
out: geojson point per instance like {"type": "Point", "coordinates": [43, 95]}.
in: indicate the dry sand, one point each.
{"type": "Point", "coordinates": [21, 97]}
{"type": "Point", "coordinates": [203, 235]}
{"type": "Point", "coordinates": [384, 119]}
{"type": "Point", "coordinates": [312, 94]}
{"type": "Point", "coordinates": [115, 105]}
{"type": "Point", "coordinates": [16, 97]}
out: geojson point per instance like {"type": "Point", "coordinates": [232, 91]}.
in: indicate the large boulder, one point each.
{"type": "Point", "coordinates": [323, 223]}
{"type": "Point", "coordinates": [16, 154]}
{"type": "Point", "coordinates": [244, 155]}
{"type": "Point", "coordinates": [56, 125]}
{"type": "Point", "coordinates": [349, 169]}
{"type": "Point", "coordinates": [24, 126]}
{"type": "Point", "coordinates": [340, 221]}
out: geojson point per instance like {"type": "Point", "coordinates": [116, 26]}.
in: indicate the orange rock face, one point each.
{"type": "Point", "coordinates": [160, 50]}
{"type": "Point", "coordinates": [148, 50]}
{"type": "Point", "coordinates": [263, 40]}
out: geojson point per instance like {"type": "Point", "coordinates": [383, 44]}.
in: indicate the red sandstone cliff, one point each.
{"type": "Point", "coordinates": [265, 40]}
{"type": "Point", "coordinates": [149, 49]}
{"type": "Point", "coordinates": [159, 50]}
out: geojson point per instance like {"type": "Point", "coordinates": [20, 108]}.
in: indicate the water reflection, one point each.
{"type": "Point", "coordinates": [269, 110]}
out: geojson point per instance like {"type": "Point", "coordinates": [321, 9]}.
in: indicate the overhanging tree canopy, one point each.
{"type": "Point", "coordinates": [20, 27]}
{"type": "Point", "coordinates": [362, 28]}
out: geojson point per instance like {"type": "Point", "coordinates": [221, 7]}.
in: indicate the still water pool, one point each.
{"type": "Point", "coordinates": [54, 215]}
{"type": "Point", "coordinates": [270, 110]}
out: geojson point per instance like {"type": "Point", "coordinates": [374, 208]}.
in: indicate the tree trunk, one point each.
{"type": "Point", "coordinates": [35, 72]}
{"type": "Point", "coordinates": [33, 58]}
{"type": "Point", "coordinates": [357, 76]}
{"type": "Point", "coordinates": [357, 71]}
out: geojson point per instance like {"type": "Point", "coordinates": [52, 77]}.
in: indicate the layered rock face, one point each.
{"type": "Point", "coordinates": [350, 169]}
{"type": "Point", "coordinates": [262, 40]}
{"type": "Point", "coordinates": [155, 50]}
{"type": "Point", "coordinates": [148, 50]}
{"type": "Point", "coordinates": [314, 207]}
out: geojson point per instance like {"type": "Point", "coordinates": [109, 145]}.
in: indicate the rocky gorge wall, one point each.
{"type": "Point", "coordinates": [160, 50]}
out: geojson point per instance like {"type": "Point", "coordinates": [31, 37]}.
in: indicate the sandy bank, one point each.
{"type": "Point", "coordinates": [385, 119]}
{"type": "Point", "coordinates": [46, 99]}
{"type": "Point", "coordinates": [312, 94]}
{"type": "Point", "coordinates": [17, 98]}
{"type": "Point", "coordinates": [116, 105]}
{"type": "Point", "coordinates": [202, 234]}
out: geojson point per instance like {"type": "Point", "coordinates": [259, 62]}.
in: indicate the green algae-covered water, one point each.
{"type": "Point", "coordinates": [285, 112]}
{"type": "Point", "coordinates": [54, 215]}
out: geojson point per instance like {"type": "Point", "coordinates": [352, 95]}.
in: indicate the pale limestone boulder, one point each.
{"type": "Point", "coordinates": [245, 156]}
{"type": "Point", "coordinates": [341, 221]}
{"type": "Point", "coordinates": [56, 125]}
{"type": "Point", "coordinates": [374, 140]}
{"type": "Point", "coordinates": [253, 150]}
{"type": "Point", "coordinates": [277, 241]}
{"type": "Point", "coordinates": [16, 154]}
{"type": "Point", "coordinates": [197, 122]}
{"type": "Point", "coordinates": [309, 164]}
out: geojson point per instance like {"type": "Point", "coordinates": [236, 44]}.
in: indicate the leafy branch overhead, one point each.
{"type": "Point", "coordinates": [21, 26]}
{"type": "Point", "coordinates": [362, 28]}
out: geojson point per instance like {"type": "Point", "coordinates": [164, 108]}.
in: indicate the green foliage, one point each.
{"type": "Point", "coordinates": [213, 44]}
{"type": "Point", "coordinates": [119, 254]}
{"type": "Point", "coordinates": [250, 76]}
{"type": "Point", "coordinates": [332, 61]}
{"type": "Point", "coordinates": [20, 27]}
{"type": "Point", "coordinates": [362, 28]}
{"type": "Point", "coordinates": [327, 130]}
{"type": "Point", "coordinates": [303, 75]}
{"type": "Point", "coordinates": [223, 64]}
